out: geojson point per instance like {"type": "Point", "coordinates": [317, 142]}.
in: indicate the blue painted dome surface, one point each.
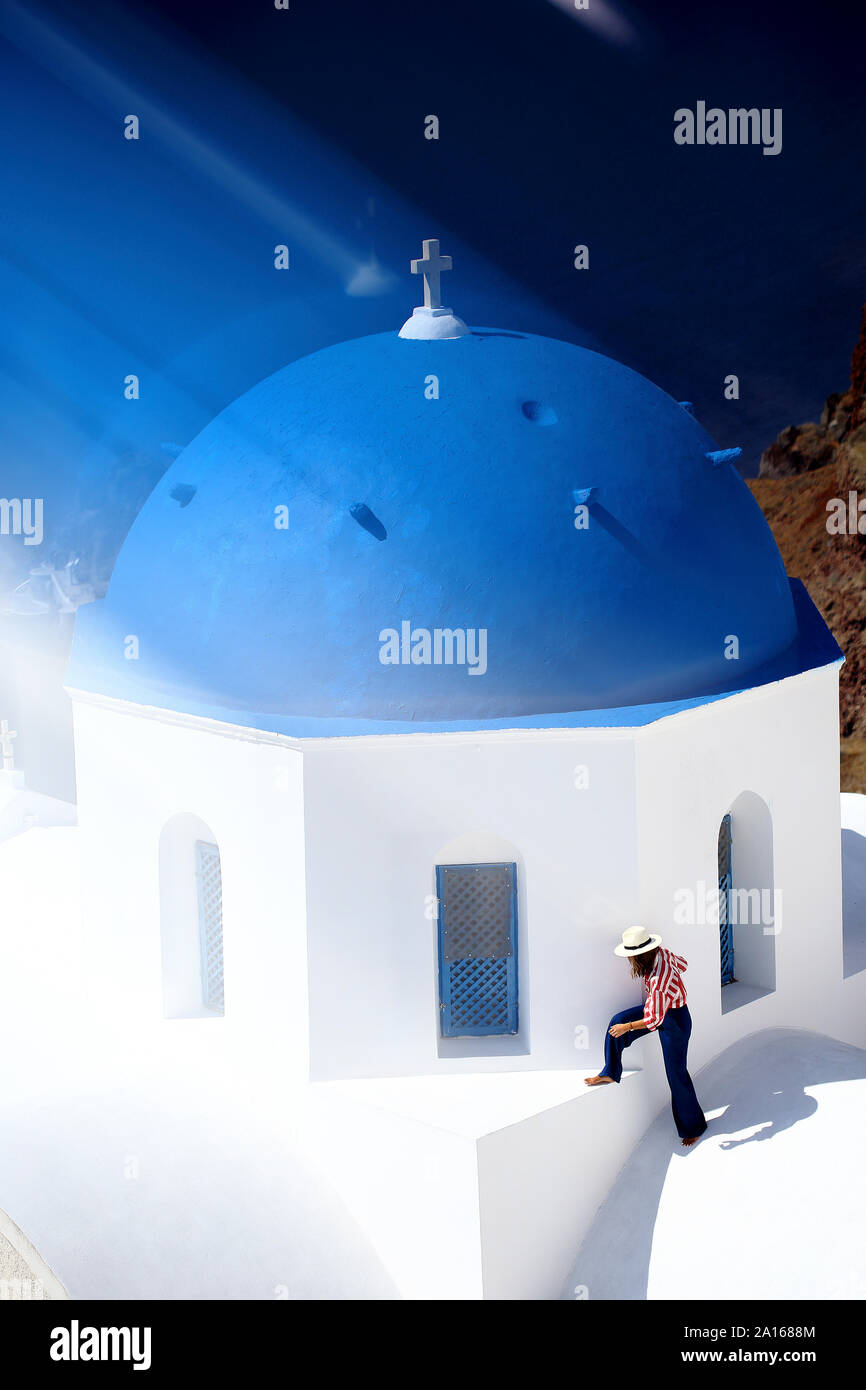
{"type": "Point", "coordinates": [451, 513]}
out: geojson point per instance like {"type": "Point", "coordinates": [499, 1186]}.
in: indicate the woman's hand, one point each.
{"type": "Point", "coordinates": [617, 1029]}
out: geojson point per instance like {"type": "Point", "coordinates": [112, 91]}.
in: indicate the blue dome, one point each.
{"type": "Point", "coordinates": [452, 513]}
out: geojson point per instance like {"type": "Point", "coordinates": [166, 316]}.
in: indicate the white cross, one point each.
{"type": "Point", "coordinates": [6, 737]}
{"type": "Point", "coordinates": [430, 265]}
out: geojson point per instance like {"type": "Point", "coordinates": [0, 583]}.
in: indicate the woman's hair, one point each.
{"type": "Point", "coordinates": [642, 964]}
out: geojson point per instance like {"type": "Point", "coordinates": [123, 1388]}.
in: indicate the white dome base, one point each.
{"type": "Point", "coordinates": [433, 323]}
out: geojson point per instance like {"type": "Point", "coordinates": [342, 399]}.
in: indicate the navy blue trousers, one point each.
{"type": "Point", "coordinates": [676, 1027]}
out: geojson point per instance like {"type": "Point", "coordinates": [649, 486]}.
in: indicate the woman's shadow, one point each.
{"type": "Point", "coordinates": [758, 1082]}
{"type": "Point", "coordinates": [774, 1113]}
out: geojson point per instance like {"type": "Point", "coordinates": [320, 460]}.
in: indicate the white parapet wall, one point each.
{"type": "Point", "coordinates": [479, 1186]}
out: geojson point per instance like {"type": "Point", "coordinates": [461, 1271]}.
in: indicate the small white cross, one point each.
{"type": "Point", "coordinates": [430, 265]}
{"type": "Point", "coordinates": [6, 737]}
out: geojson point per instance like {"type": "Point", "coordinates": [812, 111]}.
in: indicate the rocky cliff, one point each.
{"type": "Point", "coordinates": [808, 467]}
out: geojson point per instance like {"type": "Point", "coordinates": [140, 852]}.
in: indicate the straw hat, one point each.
{"type": "Point", "coordinates": [636, 940]}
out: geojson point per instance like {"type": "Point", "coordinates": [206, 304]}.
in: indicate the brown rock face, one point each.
{"type": "Point", "coordinates": [805, 448]}
{"type": "Point", "coordinates": [836, 415]}
{"type": "Point", "coordinates": [808, 467]}
{"type": "Point", "coordinates": [858, 373]}
{"type": "Point", "coordinates": [799, 449]}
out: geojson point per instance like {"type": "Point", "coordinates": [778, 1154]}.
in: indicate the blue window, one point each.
{"type": "Point", "coordinates": [210, 921]}
{"type": "Point", "coordinates": [477, 949]}
{"type": "Point", "coordinates": [726, 926]}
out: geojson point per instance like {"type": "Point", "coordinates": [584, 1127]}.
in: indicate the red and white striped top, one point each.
{"type": "Point", "coordinates": [664, 987]}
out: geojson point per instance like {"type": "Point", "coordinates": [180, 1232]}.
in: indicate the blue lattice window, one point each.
{"type": "Point", "coordinates": [210, 920]}
{"type": "Point", "coordinates": [726, 926]}
{"type": "Point", "coordinates": [477, 949]}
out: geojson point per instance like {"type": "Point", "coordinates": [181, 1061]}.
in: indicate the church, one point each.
{"type": "Point", "coordinates": [436, 660]}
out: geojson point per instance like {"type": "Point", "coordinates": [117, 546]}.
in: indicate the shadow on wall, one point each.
{"type": "Point", "coordinates": [760, 1085]}
{"type": "Point", "coordinates": [853, 902]}
{"type": "Point", "coordinates": [752, 902]}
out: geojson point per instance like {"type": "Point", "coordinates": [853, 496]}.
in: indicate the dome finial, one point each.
{"type": "Point", "coordinates": [433, 319]}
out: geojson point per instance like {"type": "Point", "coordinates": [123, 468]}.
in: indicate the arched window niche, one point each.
{"type": "Point", "coordinates": [481, 848]}
{"type": "Point", "coordinates": [853, 895]}
{"type": "Point", "coordinates": [190, 897]}
{"type": "Point", "coordinates": [749, 912]}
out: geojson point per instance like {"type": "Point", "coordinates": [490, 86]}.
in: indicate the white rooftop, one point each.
{"type": "Point", "coordinates": [770, 1204]}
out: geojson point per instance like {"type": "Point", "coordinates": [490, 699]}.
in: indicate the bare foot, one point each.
{"type": "Point", "coordinates": [687, 1143]}
{"type": "Point", "coordinates": [597, 1080]}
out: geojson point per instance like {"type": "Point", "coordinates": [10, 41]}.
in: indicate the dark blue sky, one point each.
{"type": "Point", "coordinates": [155, 257]}
{"type": "Point", "coordinates": [306, 126]}
{"type": "Point", "coordinates": [704, 261]}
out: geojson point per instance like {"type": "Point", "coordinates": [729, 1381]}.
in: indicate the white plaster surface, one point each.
{"type": "Point", "coordinates": [472, 1105]}
{"type": "Point", "coordinates": [23, 809]}
{"type": "Point", "coordinates": [155, 1159]}
{"type": "Point", "coordinates": [435, 323]}
{"type": "Point", "coordinates": [477, 1186]}
{"type": "Point", "coordinates": [187, 1157]}
{"type": "Point", "coordinates": [769, 1205]}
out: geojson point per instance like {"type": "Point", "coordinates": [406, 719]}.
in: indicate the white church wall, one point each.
{"type": "Point", "coordinates": [381, 812]}
{"type": "Point", "coordinates": [136, 775]}
{"type": "Point", "coordinates": [163, 1157]}
{"type": "Point", "coordinates": [777, 745]}
{"type": "Point", "coordinates": [591, 858]}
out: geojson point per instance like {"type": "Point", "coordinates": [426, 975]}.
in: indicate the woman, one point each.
{"type": "Point", "coordinates": [665, 1012]}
